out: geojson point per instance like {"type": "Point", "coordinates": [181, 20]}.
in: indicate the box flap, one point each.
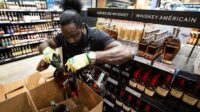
{"type": "Point", "coordinates": [15, 93]}
{"type": "Point", "coordinates": [42, 95]}
{"type": "Point", "coordinates": [2, 97]}
{"type": "Point", "coordinates": [9, 87]}
{"type": "Point", "coordinates": [47, 73]}
{"type": "Point", "coordinates": [19, 103]}
{"type": "Point", "coordinates": [34, 80]}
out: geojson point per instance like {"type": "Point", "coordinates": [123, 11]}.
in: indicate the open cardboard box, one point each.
{"type": "Point", "coordinates": [88, 100]}
{"type": "Point", "coordinates": [2, 94]}
{"type": "Point", "coordinates": [18, 103]}
{"type": "Point", "coordinates": [13, 89]}
{"type": "Point", "coordinates": [47, 74]}
{"type": "Point", "coordinates": [34, 81]}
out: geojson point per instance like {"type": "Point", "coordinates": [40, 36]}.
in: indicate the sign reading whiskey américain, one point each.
{"type": "Point", "coordinates": [175, 18]}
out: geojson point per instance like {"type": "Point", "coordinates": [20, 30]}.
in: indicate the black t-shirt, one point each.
{"type": "Point", "coordinates": [95, 40]}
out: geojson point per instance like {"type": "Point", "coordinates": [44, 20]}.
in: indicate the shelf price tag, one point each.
{"type": "Point", "coordinates": [5, 35]}
{"type": "Point", "coordinates": [24, 33]}
{"type": "Point", "coordinates": [108, 102]}
{"type": "Point", "coordinates": [7, 59]}
{"type": "Point", "coordinates": [142, 60]}
{"type": "Point", "coordinates": [112, 81]}
{"type": "Point", "coordinates": [164, 67]}
{"type": "Point", "coordinates": [135, 93]}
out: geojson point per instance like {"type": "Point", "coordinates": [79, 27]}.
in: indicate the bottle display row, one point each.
{"type": "Point", "coordinates": [126, 102]}
{"type": "Point", "coordinates": [14, 40]}
{"type": "Point", "coordinates": [174, 92]}
{"type": "Point", "coordinates": [22, 50]}
{"type": "Point", "coordinates": [21, 4]}
{"type": "Point", "coordinates": [119, 29]}
{"type": "Point", "coordinates": [26, 28]}
{"type": "Point", "coordinates": [19, 16]}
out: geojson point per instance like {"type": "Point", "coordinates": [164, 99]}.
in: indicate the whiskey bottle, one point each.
{"type": "Point", "coordinates": [171, 47]}
{"type": "Point", "coordinates": [133, 82]}
{"type": "Point", "coordinates": [155, 47]}
{"type": "Point", "coordinates": [143, 79]}
{"type": "Point", "coordinates": [151, 86]}
{"type": "Point", "coordinates": [177, 87]}
{"type": "Point", "coordinates": [128, 103]}
{"type": "Point", "coordinates": [143, 44]}
{"type": "Point", "coordinates": [165, 85]}
{"type": "Point", "coordinates": [119, 100]}
{"type": "Point", "coordinates": [191, 93]}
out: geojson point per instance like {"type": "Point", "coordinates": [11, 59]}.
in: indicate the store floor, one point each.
{"type": "Point", "coordinates": [19, 70]}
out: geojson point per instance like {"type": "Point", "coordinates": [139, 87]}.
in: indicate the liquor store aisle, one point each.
{"type": "Point", "coordinates": [19, 70]}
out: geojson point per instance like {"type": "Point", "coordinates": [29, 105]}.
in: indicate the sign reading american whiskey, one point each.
{"type": "Point", "coordinates": [175, 18]}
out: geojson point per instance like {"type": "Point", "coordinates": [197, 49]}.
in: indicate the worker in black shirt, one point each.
{"type": "Point", "coordinates": [82, 45]}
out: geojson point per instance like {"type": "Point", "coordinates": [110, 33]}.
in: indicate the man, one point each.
{"type": "Point", "coordinates": [82, 45]}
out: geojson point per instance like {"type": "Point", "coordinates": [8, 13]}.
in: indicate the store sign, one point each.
{"type": "Point", "coordinates": [175, 18]}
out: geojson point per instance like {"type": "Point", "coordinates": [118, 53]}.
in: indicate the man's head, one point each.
{"type": "Point", "coordinates": [72, 26]}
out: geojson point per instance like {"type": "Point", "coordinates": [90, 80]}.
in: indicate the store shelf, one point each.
{"type": "Point", "coordinates": [30, 32]}
{"type": "Point", "coordinates": [109, 103]}
{"type": "Point", "coordinates": [149, 100]}
{"type": "Point", "coordinates": [29, 10]}
{"type": "Point", "coordinates": [24, 22]}
{"type": "Point", "coordinates": [22, 44]}
{"type": "Point", "coordinates": [4, 61]}
{"type": "Point", "coordinates": [189, 76]}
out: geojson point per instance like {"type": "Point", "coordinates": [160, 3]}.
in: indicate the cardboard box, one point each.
{"type": "Point", "coordinates": [19, 103]}
{"type": "Point", "coordinates": [47, 74]}
{"type": "Point", "coordinates": [12, 89]}
{"type": "Point", "coordinates": [2, 94]}
{"type": "Point", "coordinates": [88, 99]}
{"type": "Point", "coordinates": [9, 87]}
{"type": "Point", "coordinates": [34, 80]}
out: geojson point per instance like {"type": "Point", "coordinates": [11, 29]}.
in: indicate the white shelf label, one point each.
{"type": "Point", "coordinates": [31, 32]}
{"type": "Point", "coordinates": [24, 32]}
{"type": "Point", "coordinates": [6, 35]}
{"type": "Point", "coordinates": [164, 67]}
{"type": "Point", "coordinates": [115, 69]}
{"type": "Point", "coordinates": [112, 81]}
{"type": "Point", "coordinates": [108, 102]}
{"type": "Point", "coordinates": [7, 59]}
{"type": "Point", "coordinates": [142, 60]}
{"type": "Point", "coordinates": [5, 22]}
{"type": "Point", "coordinates": [125, 74]}
{"type": "Point", "coordinates": [14, 22]}
{"type": "Point", "coordinates": [9, 46]}
{"type": "Point", "coordinates": [135, 93]}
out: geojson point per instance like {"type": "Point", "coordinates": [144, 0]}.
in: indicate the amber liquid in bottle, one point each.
{"type": "Point", "coordinates": [155, 47]}
{"type": "Point", "coordinates": [171, 47]}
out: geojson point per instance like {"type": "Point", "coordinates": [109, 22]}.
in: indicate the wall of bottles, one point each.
{"type": "Point", "coordinates": [131, 85]}
{"type": "Point", "coordinates": [24, 25]}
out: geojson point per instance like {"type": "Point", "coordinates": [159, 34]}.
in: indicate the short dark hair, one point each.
{"type": "Point", "coordinates": [72, 5]}
{"type": "Point", "coordinates": [71, 16]}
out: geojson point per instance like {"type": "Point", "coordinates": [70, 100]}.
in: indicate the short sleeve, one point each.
{"type": "Point", "coordinates": [102, 38]}
{"type": "Point", "coordinates": [58, 40]}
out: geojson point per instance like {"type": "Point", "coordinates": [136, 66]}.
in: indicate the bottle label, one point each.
{"type": "Point", "coordinates": [149, 92]}
{"type": "Point", "coordinates": [162, 92]}
{"type": "Point", "coordinates": [132, 84]}
{"type": "Point", "coordinates": [176, 93]}
{"type": "Point", "coordinates": [140, 87]}
{"type": "Point", "coordinates": [189, 100]}
{"type": "Point", "coordinates": [119, 103]}
{"type": "Point", "coordinates": [126, 108]}
{"type": "Point", "coordinates": [125, 74]}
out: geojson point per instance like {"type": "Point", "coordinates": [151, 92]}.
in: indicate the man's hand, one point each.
{"type": "Point", "coordinates": [48, 54]}
{"type": "Point", "coordinates": [79, 61]}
